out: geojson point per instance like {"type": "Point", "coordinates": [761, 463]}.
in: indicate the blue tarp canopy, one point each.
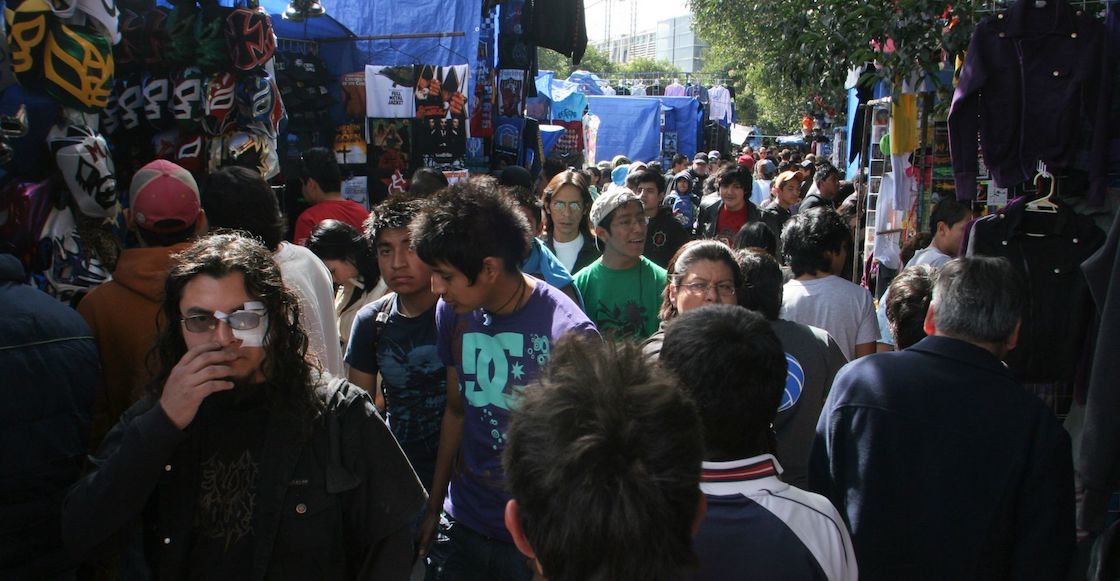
{"type": "Point", "coordinates": [681, 116]}
{"type": "Point", "coordinates": [629, 126]}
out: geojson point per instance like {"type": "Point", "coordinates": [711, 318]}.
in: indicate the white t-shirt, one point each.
{"type": "Point", "coordinates": [568, 252]}
{"type": "Point", "coordinates": [840, 307]}
{"type": "Point", "coordinates": [310, 280]}
{"type": "Point", "coordinates": [385, 98]}
{"type": "Point", "coordinates": [929, 255]}
{"type": "Point", "coordinates": [760, 192]}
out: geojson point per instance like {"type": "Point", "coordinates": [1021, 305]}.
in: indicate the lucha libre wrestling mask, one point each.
{"type": "Point", "coordinates": [83, 159]}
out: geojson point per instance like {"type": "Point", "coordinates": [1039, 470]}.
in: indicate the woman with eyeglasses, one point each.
{"type": "Point", "coordinates": [567, 205]}
{"type": "Point", "coordinates": [702, 272]}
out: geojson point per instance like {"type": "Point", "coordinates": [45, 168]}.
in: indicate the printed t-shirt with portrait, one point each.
{"type": "Point", "coordinates": [494, 357]}
{"type": "Point", "coordinates": [623, 303]}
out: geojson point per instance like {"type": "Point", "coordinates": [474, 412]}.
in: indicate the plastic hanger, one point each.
{"type": "Point", "coordinates": [1045, 204]}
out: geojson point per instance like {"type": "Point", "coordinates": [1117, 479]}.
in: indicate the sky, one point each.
{"type": "Point", "coordinates": [649, 13]}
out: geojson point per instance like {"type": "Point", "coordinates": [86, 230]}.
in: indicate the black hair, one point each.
{"type": "Point", "coordinates": [426, 181]}
{"type": "Point", "coordinates": [949, 211]}
{"type": "Point", "coordinates": [733, 365]}
{"type": "Point", "coordinates": [762, 288]}
{"type": "Point", "coordinates": [646, 175]}
{"type": "Point", "coordinates": [396, 212]}
{"type": "Point", "coordinates": [739, 175]}
{"type": "Point", "coordinates": [524, 198]}
{"type": "Point", "coordinates": [605, 450]}
{"type": "Point", "coordinates": [593, 172]}
{"type": "Point", "coordinates": [679, 158]}
{"type": "Point", "coordinates": [337, 240]}
{"type": "Point", "coordinates": [908, 300]}
{"type": "Point", "coordinates": [756, 235]}
{"type": "Point", "coordinates": [319, 163]}
{"type": "Point", "coordinates": [825, 171]}
{"type": "Point", "coordinates": [468, 222]}
{"type": "Point", "coordinates": [286, 366]}
{"type": "Point", "coordinates": [688, 254]}
{"type": "Point", "coordinates": [807, 236]}
{"type": "Point", "coordinates": [236, 198]}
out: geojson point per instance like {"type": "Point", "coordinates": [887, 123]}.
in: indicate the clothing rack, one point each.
{"type": "Point", "coordinates": [392, 36]}
{"type": "Point", "coordinates": [994, 6]}
{"type": "Point", "coordinates": [297, 45]}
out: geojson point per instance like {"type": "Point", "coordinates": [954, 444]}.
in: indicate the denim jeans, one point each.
{"type": "Point", "coordinates": [476, 557]}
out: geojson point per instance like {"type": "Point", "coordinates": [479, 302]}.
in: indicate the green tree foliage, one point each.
{"type": "Point", "coordinates": [648, 65]}
{"type": "Point", "coordinates": [790, 51]}
{"type": "Point", "coordinates": [594, 60]}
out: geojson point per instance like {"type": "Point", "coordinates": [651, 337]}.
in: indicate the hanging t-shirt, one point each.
{"type": "Point", "coordinates": [567, 252]}
{"type": "Point", "coordinates": [674, 90]}
{"type": "Point", "coordinates": [389, 91]}
{"type": "Point", "coordinates": [720, 109]}
{"type": "Point", "coordinates": [495, 357]}
{"type": "Point", "coordinates": [623, 303]}
{"type": "Point", "coordinates": [729, 223]}
{"type": "Point", "coordinates": [571, 108]}
{"type": "Point", "coordinates": [413, 378]}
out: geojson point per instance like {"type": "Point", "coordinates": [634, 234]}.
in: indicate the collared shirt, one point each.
{"type": "Point", "coordinates": [761, 527]}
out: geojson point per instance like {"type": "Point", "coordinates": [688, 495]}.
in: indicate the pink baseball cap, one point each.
{"type": "Point", "coordinates": [164, 198]}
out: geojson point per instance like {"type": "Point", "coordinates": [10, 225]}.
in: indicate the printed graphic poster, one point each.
{"type": "Point", "coordinates": [441, 142]}
{"type": "Point", "coordinates": [571, 141]}
{"type": "Point", "coordinates": [439, 92]}
{"type": "Point", "coordinates": [356, 189]}
{"type": "Point", "coordinates": [507, 140]}
{"type": "Point", "coordinates": [390, 148]}
{"type": "Point", "coordinates": [354, 94]}
{"type": "Point", "coordinates": [390, 91]}
{"type": "Point", "coordinates": [350, 144]}
{"type": "Point", "coordinates": [511, 93]}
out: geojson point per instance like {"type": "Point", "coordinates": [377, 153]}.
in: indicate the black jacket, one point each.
{"type": "Point", "coordinates": [945, 467]}
{"type": "Point", "coordinates": [708, 220]}
{"type": "Point", "coordinates": [48, 362]}
{"type": "Point", "coordinates": [335, 507]}
{"type": "Point", "coordinates": [663, 237]}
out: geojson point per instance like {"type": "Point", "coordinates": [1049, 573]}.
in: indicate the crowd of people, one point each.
{"type": "Point", "coordinates": [618, 372]}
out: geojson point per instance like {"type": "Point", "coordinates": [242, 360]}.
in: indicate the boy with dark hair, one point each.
{"type": "Point", "coordinates": [815, 244]}
{"type": "Point", "coordinates": [321, 182]}
{"type": "Point", "coordinates": [395, 337]}
{"type": "Point", "coordinates": [622, 288]}
{"type": "Point", "coordinates": [723, 218]}
{"type": "Point", "coordinates": [947, 223]}
{"type": "Point", "coordinates": [826, 185]}
{"type": "Point", "coordinates": [495, 327]}
{"type": "Point", "coordinates": [812, 360]}
{"type": "Point", "coordinates": [603, 464]}
{"type": "Point", "coordinates": [907, 301]}
{"type": "Point", "coordinates": [664, 234]}
{"type": "Point", "coordinates": [732, 364]}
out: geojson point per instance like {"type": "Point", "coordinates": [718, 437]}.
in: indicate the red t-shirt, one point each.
{"type": "Point", "coordinates": [729, 223]}
{"type": "Point", "coordinates": [347, 211]}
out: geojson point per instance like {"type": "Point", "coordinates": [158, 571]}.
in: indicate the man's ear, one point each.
{"type": "Point", "coordinates": [513, 525]}
{"type": "Point", "coordinates": [701, 511]}
{"type": "Point", "coordinates": [931, 329]}
{"type": "Point", "coordinates": [491, 268]}
{"type": "Point", "coordinates": [601, 233]}
{"type": "Point", "coordinates": [1013, 340]}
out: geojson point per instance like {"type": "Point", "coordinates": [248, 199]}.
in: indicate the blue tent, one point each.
{"type": "Point", "coordinates": [629, 126]}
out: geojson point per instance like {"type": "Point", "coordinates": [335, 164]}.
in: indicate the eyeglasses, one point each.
{"type": "Point", "coordinates": [559, 206]}
{"type": "Point", "coordinates": [723, 289]}
{"type": "Point", "coordinates": [644, 191]}
{"type": "Point", "coordinates": [242, 320]}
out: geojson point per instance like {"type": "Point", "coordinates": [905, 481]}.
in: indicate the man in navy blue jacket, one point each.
{"type": "Point", "coordinates": [942, 465]}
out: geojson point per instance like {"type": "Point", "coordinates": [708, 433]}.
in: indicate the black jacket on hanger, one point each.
{"type": "Point", "coordinates": [560, 25]}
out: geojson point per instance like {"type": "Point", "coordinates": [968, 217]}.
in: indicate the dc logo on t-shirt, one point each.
{"type": "Point", "coordinates": [795, 381]}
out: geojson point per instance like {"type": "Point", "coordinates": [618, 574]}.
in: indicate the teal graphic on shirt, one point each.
{"type": "Point", "coordinates": [493, 360]}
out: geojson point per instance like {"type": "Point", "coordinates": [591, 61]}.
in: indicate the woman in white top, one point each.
{"type": "Point", "coordinates": [567, 205]}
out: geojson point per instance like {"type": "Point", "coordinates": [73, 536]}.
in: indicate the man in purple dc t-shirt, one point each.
{"type": "Point", "coordinates": [495, 329]}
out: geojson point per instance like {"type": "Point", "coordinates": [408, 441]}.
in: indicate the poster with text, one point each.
{"type": "Point", "coordinates": [350, 143]}
{"type": "Point", "coordinates": [440, 142]}
{"type": "Point", "coordinates": [354, 94]}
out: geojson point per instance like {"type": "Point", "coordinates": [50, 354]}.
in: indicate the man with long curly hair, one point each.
{"type": "Point", "coordinates": [244, 460]}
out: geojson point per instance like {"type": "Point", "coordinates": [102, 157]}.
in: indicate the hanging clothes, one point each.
{"type": "Point", "coordinates": [560, 25]}
{"type": "Point", "coordinates": [1048, 250]}
{"type": "Point", "coordinates": [904, 124]}
{"type": "Point", "coordinates": [720, 104]}
{"type": "Point", "coordinates": [1034, 83]}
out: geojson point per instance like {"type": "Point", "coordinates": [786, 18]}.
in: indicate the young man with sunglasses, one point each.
{"type": "Point", "coordinates": [244, 460]}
